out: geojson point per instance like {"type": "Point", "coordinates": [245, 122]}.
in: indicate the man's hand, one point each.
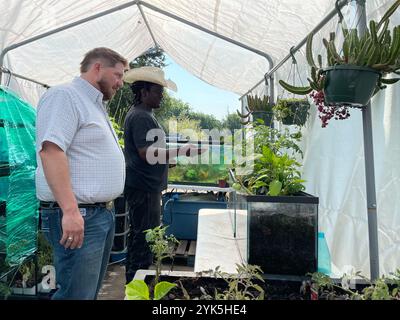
{"type": "Point", "coordinates": [72, 229]}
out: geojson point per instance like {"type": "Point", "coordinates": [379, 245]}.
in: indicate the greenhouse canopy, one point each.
{"type": "Point", "coordinates": [227, 44]}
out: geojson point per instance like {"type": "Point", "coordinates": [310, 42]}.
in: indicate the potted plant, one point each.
{"type": "Point", "coordinates": [260, 108]}
{"type": "Point", "coordinates": [282, 218]}
{"type": "Point", "coordinates": [223, 180]}
{"type": "Point", "coordinates": [354, 73]}
{"type": "Point", "coordinates": [292, 111]}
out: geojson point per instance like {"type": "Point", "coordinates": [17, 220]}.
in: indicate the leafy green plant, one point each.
{"type": "Point", "coordinates": [383, 288]}
{"type": "Point", "coordinates": [241, 286]}
{"type": "Point", "coordinates": [139, 290]}
{"type": "Point", "coordinates": [119, 131]}
{"type": "Point", "coordinates": [5, 291]}
{"type": "Point", "coordinates": [378, 48]}
{"type": "Point", "coordinates": [191, 174]}
{"type": "Point", "coordinates": [276, 170]}
{"type": "Point", "coordinates": [162, 247]}
{"type": "Point", "coordinates": [324, 287]}
{"type": "Point", "coordinates": [292, 111]}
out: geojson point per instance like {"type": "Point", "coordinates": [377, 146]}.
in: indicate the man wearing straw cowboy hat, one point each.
{"type": "Point", "coordinates": [146, 162]}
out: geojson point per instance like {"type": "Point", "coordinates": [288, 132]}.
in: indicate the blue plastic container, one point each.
{"type": "Point", "coordinates": [324, 257]}
{"type": "Point", "coordinates": [181, 216]}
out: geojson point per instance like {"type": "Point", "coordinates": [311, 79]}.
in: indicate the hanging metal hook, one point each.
{"type": "Point", "coordinates": [338, 11]}
{"type": "Point", "coordinates": [294, 61]}
{"type": "Point", "coordinates": [266, 80]}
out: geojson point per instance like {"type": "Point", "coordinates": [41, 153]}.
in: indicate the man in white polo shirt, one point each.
{"type": "Point", "coordinates": [81, 168]}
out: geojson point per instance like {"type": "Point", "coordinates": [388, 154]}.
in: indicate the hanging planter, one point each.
{"type": "Point", "coordinates": [265, 116]}
{"type": "Point", "coordinates": [349, 84]}
{"type": "Point", "coordinates": [355, 72]}
{"type": "Point", "coordinates": [292, 111]}
{"type": "Point", "coordinates": [260, 108]}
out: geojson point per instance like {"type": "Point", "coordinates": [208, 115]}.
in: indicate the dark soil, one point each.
{"type": "Point", "coordinates": [282, 243]}
{"type": "Point", "coordinates": [274, 289]}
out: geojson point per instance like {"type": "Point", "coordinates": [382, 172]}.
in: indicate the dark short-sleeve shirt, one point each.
{"type": "Point", "coordinates": [139, 173]}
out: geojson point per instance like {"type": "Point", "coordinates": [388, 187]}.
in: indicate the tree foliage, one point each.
{"type": "Point", "coordinates": [119, 105]}
{"type": "Point", "coordinates": [232, 122]}
{"type": "Point", "coordinates": [171, 108]}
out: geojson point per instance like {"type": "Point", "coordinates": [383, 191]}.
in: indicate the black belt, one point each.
{"type": "Point", "coordinates": [47, 205]}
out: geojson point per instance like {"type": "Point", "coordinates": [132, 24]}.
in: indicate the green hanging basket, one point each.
{"type": "Point", "coordinates": [349, 85]}
{"type": "Point", "coordinates": [266, 116]}
{"type": "Point", "coordinates": [292, 111]}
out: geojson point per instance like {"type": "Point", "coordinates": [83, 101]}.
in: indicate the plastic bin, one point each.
{"type": "Point", "coordinates": [181, 214]}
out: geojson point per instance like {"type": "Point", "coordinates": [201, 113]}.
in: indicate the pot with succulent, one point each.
{"type": "Point", "coordinates": [282, 219]}
{"type": "Point", "coordinates": [292, 111]}
{"type": "Point", "coordinates": [259, 108]}
{"type": "Point", "coordinates": [356, 72]}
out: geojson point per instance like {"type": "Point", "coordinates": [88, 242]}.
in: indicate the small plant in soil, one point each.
{"type": "Point", "coordinates": [240, 286]}
{"type": "Point", "coordinates": [162, 247]}
{"type": "Point", "coordinates": [383, 288]}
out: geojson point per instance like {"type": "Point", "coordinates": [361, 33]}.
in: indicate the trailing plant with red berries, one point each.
{"type": "Point", "coordinates": [327, 112]}
{"type": "Point", "coordinates": [378, 49]}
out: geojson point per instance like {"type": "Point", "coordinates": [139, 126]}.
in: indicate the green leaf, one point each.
{"type": "Point", "coordinates": [137, 290]}
{"type": "Point", "coordinates": [236, 186]}
{"type": "Point", "coordinates": [275, 188]}
{"type": "Point", "coordinates": [162, 288]}
{"type": "Point", "coordinates": [295, 90]}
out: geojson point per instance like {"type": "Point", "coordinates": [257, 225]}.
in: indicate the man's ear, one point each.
{"type": "Point", "coordinates": [96, 66]}
{"type": "Point", "coordinates": [143, 93]}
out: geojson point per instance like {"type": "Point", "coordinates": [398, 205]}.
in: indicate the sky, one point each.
{"type": "Point", "coordinates": [201, 96]}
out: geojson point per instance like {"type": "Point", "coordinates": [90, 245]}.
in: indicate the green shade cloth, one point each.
{"type": "Point", "coordinates": [18, 203]}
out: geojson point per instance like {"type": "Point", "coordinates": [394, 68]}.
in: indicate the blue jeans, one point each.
{"type": "Point", "coordinates": [80, 272]}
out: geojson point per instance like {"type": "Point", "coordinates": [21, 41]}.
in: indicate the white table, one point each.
{"type": "Point", "coordinates": [216, 244]}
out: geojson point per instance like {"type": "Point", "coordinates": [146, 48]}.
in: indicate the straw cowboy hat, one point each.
{"type": "Point", "coordinates": [149, 74]}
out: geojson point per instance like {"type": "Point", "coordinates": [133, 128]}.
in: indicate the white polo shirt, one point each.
{"type": "Point", "coordinates": [73, 117]}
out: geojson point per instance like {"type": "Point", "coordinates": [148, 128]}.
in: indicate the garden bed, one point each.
{"type": "Point", "coordinates": [198, 285]}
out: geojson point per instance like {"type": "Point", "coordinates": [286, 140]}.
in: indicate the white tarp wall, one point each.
{"type": "Point", "coordinates": [270, 26]}
{"type": "Point", "coordinates": [333, 164]}
{"type": "Point", "coordinates": [334, 168]}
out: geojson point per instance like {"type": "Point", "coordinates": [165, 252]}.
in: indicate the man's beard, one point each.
{"type": "Point", "coordinates": [105, 89]}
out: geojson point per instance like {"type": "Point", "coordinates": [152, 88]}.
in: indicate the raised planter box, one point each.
{"type": "Point", "coordinates": [282, 232]}
{"type": "Point", "coordinates": [275, 288]}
